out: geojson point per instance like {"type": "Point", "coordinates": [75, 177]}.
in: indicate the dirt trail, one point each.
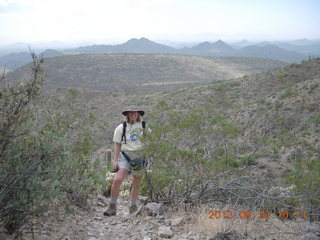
{"type": "Point", "coordinates": [91, 224]}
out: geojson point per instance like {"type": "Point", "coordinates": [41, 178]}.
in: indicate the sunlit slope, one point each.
{"type": "Point", "coordinates": [275, 102]}
{"type": "Point", "coordinates": [142, 73]}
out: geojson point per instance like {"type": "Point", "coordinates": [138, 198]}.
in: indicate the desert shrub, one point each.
{"type": "Point", "coordinates": [312, 107]}
{"type": "Point", "coordinates": [197, 154]}
{"type": "Point", "coordinates": [44, 151]}
{"type": "Point", "coordinates": [306, 176]}
{"type": "Point", "coordinates": [315, 119]}
{"type": "Point", "coordinates": [289, 92]}
{"type": "Point", "coordinates": [313, 87]}
{"type": "Point", "coordinates": [188, 151]}
{"type": "Point", "coordinates": [247, 159]}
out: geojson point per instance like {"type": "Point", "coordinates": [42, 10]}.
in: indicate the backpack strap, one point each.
{"type": "Point", "coordinates": [123, 138]}
{"type": "Point", "coordinates": [143, 128]}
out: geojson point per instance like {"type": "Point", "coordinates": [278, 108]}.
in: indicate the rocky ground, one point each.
{"type": "Point", "coordinates": [91, 224]}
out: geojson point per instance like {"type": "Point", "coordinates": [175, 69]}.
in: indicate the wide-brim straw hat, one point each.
{"type": "Point", "coordinates": [133, 108]}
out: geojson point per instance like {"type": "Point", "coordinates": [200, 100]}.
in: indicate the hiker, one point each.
{"type": "Point", "coordinates": [127, 140]}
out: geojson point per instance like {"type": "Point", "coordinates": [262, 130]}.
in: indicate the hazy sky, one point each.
{"type": "Point", "coordinates": [190, 20]}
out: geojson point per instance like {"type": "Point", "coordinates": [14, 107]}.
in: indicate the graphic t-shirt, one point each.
{"type": "Point", "coordinates": [134, 133]}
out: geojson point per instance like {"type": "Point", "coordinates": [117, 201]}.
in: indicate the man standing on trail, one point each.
{"type": "Point", "coordinates": [127, 141]}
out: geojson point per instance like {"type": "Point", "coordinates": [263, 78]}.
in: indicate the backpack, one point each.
{"type": "Point", "coordinates": [123, 138]}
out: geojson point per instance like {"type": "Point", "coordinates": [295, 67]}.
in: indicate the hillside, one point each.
{"type": "Point", "coordinates": [253, 103]}
{"type": "Point", "coordinates": [250, 101]}
{"type": "Point", "coordinates": [142, 73]}
{"type": "Point", "coordinates": [273, 116]}
{"type": "Point", "coordinates": [15, 60]}
{"type": "Point", "coordinates": [270, 51]}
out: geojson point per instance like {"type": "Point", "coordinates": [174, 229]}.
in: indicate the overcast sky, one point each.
{"type": "Point", "coordinates": [177, 20]}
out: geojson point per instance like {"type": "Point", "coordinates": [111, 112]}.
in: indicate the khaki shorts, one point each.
{"type": "Point", "coordinates": [123, 163]}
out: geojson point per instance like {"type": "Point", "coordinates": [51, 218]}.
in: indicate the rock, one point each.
{"type": "Point", "coordinates": [167, 223]}
{"type": "Point", "coordinates": [165, 232]}
{"type": "Point", "coordinates": [154, 209]}
{"type": "Point", "coordinates": [143, 199]}
{"type": "Point", "coordinates": [5, 236]}
{"type": "Point", "coordinates": [159, 217]}
{"type": "Point", "coordinates": [44, 225]}
{"type": "Point", "coordinates": [313, 227]}
{"type": "Point", "coordinates": [102, 199]}
{"type": "Point", "coordinates": [101, 204]}
{"type": "Point", "coordinates": [189, 234]}
{"type": "Point", "coordinates": [92, 234]}
{"type": "Point", "coordinates": [178, 221]}
{"type": "Point", "coordinates": [232, 235]}
{"type": "Point", "coordinates": [312, 238]}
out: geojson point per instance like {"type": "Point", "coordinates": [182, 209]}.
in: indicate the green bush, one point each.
{"type": "Point", "coordinates": [306, 178]}
{"type": "Point", "coordinates": [247, 160]}
{"type": "Point", "coordinates": [44, 151]}
{"type": "Point", "coordinates": [289, 92]}
{"type": "Point", "coordinates": [182, 152]}
{"type": "Point", "coordinates": [315, 119]}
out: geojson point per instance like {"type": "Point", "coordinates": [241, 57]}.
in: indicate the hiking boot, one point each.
{"type": "Point", "coordinates": [133, 209]}
{"type": "Point", "coordinates": [111, 211]}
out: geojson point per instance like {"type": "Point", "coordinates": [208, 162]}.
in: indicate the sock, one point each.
{"type": "Point", "coordinates": [133, 202]}
{"type": "Point", "coordinates": [113, 200]}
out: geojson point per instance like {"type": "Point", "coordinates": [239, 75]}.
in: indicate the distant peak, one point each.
{"type": "Point", "coordinates": [244, 41]}
{"type": "Point", "coordinates": [220, 42]}
{"type": "Point", "coordinates": [144, 39]}
{"type": "Point", "coordinates": [135, 40]}
{"type": "Point", "coordinates": [132, 40]}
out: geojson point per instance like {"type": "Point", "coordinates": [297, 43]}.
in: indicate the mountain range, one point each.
{"type": "Point", "coordinates": [304, 46]}
{"type": "Point", "coordinates": [218, 48]}
{"type": "Point", "coordinates": [280, 51]}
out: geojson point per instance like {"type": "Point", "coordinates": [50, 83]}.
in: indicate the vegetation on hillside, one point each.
{"type": "Point", "coordinates": [253, 141]}
{"type": "Point", "coordinates": [43, 154]}
{"type": "Point", "coordinates": [142, 73]}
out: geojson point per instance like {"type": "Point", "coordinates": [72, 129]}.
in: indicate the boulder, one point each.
{"type": "Point", "coordinates": [165, 232]}
{"type": "Point", "coordinates": [154, 209]}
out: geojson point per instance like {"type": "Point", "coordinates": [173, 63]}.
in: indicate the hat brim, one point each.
{"type": "Point", "coordinates": [126, 112]}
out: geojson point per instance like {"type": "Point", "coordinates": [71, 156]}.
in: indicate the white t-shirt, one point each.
{"type": "Point", "coordinates": [134, 133]}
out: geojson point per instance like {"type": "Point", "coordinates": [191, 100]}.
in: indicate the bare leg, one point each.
{"type": "Point", "coordinates": [117, 181]}
{"type": "Point", "coordinates": [135, 187]}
